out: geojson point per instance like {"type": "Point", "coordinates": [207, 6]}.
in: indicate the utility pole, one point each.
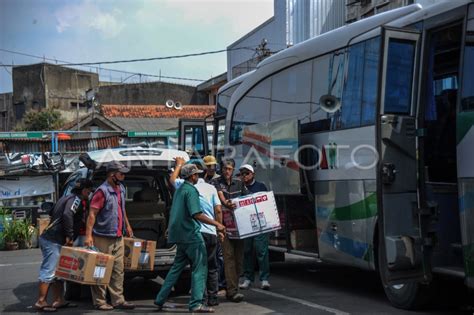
{"type": "Point", "coordinates": [262, 50]}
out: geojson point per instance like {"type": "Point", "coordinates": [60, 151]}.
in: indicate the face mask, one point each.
{"type": "Point", "coordinates": [116, 180]}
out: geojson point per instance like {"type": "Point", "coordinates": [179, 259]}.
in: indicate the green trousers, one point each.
{"type": "Point", "coordinates": [195, 254]}
{"type": "Point", "coordinates": [258, 245]}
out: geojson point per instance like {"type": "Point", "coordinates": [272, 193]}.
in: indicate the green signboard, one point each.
{"type": "Point", "coordinates": [165, 133]}
{"type": "Point", "coordinates": [21, 135]}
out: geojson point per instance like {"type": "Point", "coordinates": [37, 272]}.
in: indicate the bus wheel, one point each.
{"type": "Point", "coordinates": [409, 295]}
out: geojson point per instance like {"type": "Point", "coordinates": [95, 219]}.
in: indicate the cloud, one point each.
{"type": "Point", "coordinates": [240, 16]}
{"type": "Point", "coordinates": [87, 16]}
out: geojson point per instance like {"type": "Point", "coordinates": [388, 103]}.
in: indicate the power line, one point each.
{"type": "Point", "coordinates": [157, 58]}
{"type": "Point", "coordinates": [97, 68]}
{"type": "Point", "coordinates": [5, 68]}
{"type": "Point", "coordinates": [67, 63]}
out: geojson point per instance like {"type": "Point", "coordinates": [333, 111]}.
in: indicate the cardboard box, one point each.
{"type": "Point", "coordinates": [254, 214]}
{"type": "Point", "coordinates": [139, 254]}
{"type": "Point", "coordinates": [303, 239]}
{"type": "Point", "coordinates": [41, 224]}
{"type": "Point", "coordinates": [84, 266]}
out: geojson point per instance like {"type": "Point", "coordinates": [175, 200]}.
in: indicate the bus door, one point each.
{"type": "Point", "coordinates": [465, 149]}
{"type": "Point", "coordinates": [400, 239]}
{"type": "Point", "coordinates": [193, 137]}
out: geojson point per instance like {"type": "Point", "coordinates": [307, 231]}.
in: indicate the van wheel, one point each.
{"type": "Point", "coordinates": [409, 295]}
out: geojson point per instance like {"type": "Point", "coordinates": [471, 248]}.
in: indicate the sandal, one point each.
{"type": "Point", "coordinates": [64, 305]}
{"type": "Point", "coordinates": [104, 307]}
{"type": "Point", "coordinates": [202, 309]}
{"type": "Point", "coordinates": [44, 308]}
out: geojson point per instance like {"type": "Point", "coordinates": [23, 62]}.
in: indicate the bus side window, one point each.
{"type": "Point", "coordinates": [291, 93]}
{"type": "Point", "coordinates": [328, 74]}
{"type": "Point", "coordinates": [360, 89]}
{"type": "Point", "coordinates": [253, 108]}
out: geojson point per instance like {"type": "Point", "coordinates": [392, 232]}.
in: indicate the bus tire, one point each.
{"type": "Point", "coordinates": [410, 295]}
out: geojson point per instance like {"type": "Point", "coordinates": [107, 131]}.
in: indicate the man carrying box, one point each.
{"type": "Point", "coordinates": [259, 243]}
{"type": "Point", "coordinates": [108, 222]}
{"type": "Point", "coordinates": [184, 230]}
{"type": "Point", "coordinates": [229, 188]}
{"type": "Point", "coordinates": [62, 230]}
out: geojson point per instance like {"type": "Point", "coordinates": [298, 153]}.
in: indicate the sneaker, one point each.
{"type": "Point", "coordinates": [236, 298]}
{"type": "Point", "coordinates": [246, 284]}
{"type": "Point", "coordinates": [265, 285]}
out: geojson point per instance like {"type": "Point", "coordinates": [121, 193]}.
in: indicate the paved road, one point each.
{"type": "Point", "coordinates": [299, 286]}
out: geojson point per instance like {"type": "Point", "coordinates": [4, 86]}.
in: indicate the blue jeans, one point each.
{"type": "Point", "coordinates": [51, 252]}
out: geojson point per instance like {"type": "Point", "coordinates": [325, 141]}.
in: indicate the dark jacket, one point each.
{"type": "Point", "coordinates": [66, 218]}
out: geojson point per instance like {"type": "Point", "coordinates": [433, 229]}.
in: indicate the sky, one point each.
{"type": "Point", "coordinates": [105, 30]}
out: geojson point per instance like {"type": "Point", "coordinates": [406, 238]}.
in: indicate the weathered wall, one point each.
{"type": "Point", "coordinates": [6, 112]}
{"type": "Point", "coordinates": [65, 87]}
{"type": "Point", "coordinates": [28, 89]}
{"type": "Point", "coordinates": [45, 85]}
{"type": "Point", "coordinates": [152, 93]}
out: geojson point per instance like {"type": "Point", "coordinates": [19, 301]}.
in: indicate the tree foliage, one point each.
{"type": "Point", "coordinates": [46, 119]}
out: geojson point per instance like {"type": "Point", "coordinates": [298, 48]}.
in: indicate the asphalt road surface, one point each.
{"type": "Point", "coordinates": [299, 286]}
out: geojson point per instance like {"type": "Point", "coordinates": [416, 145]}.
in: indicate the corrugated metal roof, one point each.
{"type": "Point", "coordinates": [145, 124]}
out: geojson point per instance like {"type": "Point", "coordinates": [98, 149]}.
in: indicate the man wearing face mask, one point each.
{"type": "Point", "coordinates": [106, 226]}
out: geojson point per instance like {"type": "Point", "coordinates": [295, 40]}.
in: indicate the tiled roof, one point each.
{"type": "Point", "coordinates": [157, 111]}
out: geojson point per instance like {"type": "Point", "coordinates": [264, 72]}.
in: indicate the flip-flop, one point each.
{"type": "Point", "coordinates": [65, 305]}
{"type": "Point", "coordinates": [44, 308]}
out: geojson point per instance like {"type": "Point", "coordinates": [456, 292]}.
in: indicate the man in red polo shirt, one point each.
{"type": "Point", "coordinates": [107, 223]}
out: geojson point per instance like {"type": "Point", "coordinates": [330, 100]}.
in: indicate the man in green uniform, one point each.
{"type": "Point", "coordinates": [184, 230]}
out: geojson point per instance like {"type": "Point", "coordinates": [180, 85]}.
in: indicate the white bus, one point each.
{"type": "Point", "coordinates": [380, 115]}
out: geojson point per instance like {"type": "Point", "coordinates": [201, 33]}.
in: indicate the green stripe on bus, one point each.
{"type": "Point", "coordinates": [469, 259]}
{"type": "Point", "coordinates": [366, 208]}
{"type": "Point", "coordinates": [465, 120]}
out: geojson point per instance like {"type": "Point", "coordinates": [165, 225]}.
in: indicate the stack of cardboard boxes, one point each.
{"type": "Point", "coordinates": [90, 267]}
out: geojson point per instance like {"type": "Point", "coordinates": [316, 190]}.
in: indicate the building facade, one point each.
{"type": "Point", "coordinates": [211, 86]}
{"type": "Point", "coordinates": [359, 9]}
{"type": "Point", "coordinates": [6, 112]}
{"type": "Point", "coordinates": [150, 93]}
{"type": "Point", "coordinates": [47, 85]}
{"type": "Point", "coordinates": [244, 54]}
{"type": "Point", "coordinates": [294, 21]}
{"type": "Point", "coordinates": [309, 18]}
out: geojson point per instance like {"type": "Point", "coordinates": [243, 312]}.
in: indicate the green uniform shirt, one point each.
{"type": "Point", "coordinates": [183, 228]}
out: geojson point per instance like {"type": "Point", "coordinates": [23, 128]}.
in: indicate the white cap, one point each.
{"type": "Point", "coordinates": [247, 167]}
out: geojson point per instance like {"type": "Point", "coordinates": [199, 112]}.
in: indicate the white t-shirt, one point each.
{"type": "Point", "coordinates": [208, 199]}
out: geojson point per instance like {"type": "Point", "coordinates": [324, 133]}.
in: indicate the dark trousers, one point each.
{"type": "Point", "coordinates": [233, 259]}
{"type": "Point", "coordinates": [220, 266]}
{"type": "Point", "coordinates": [212, 275]}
